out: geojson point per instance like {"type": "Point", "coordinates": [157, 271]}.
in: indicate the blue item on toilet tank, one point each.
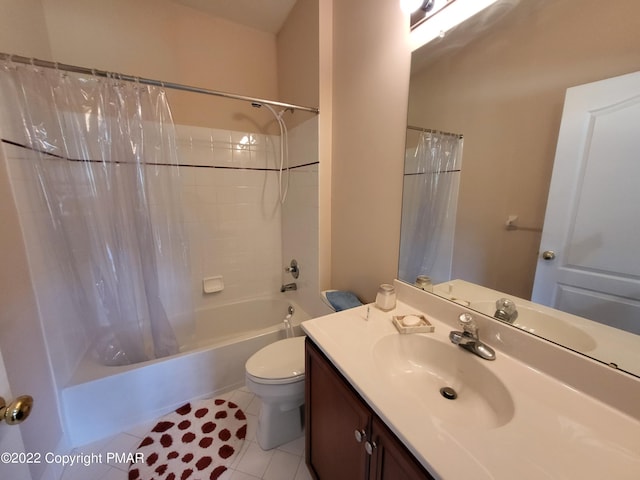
{"type": "Point", "coordinates": [342, 300]}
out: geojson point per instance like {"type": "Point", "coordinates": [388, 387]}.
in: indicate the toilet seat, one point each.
{"type": "Point", "coordinates": [278, 363]}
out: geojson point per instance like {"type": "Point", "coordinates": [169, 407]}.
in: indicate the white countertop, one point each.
{"type": "Point", "coordinates": [612, 345]}
{"type": "Point", "coordinates": [556, 432]}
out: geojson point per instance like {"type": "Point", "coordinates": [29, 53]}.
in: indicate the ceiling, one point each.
{"type": "Point", "coordinates": [265, 15]}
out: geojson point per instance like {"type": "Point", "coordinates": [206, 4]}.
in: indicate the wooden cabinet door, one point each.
{"type": "Point", "coordinates": [390, 459]}
{"type": "Point", "coordinates": [333, 414]}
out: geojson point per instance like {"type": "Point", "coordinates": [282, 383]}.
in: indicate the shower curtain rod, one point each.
{"type": "Point", "coordinates": [148, 81]}
{"type": "Point", "coordinates": [428, 130]}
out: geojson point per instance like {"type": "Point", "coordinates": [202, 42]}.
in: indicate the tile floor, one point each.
{"type": "Point", "coordinates": [252, 463]}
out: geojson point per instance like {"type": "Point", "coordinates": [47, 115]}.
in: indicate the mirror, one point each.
{"type": "Point", "coordinates": [499, 79]}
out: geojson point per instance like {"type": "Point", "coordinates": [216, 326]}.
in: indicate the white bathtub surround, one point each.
{"type": "Point", "coordinates": [300, 213]}
{"type": "Point", "coordinates": [235, 226]}
{"type": "Point", "coordinates": [212, 361]}
{"type": "Point", "coordinates": [572, 417]}
{"type": "Point", "coordinates": [230, 194]}
{"type": "Point", "coordinates": [224, 216]}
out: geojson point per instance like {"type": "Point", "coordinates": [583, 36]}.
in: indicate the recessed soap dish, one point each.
{"type": "Point", "coordinates": [413, 323]}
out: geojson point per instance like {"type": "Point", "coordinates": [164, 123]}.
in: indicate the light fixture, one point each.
{"type": "Point", "coordinates": [421, 10]}
{"type": "Point", "coordinates": [443, 19]}
{"type": "Point", "coordinates": [410, 6]}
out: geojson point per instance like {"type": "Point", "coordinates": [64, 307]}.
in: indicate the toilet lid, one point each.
{"type": "Point", "coordinates": [281, 359]}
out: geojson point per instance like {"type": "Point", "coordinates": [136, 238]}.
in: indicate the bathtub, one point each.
{"type": "Point", "coordinates": [102, 400]}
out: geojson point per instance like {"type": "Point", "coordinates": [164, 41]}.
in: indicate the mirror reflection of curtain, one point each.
{"type": "Point", "coordinates": [431, 179]}
{"type": "Point", "coordinates": [102, 156]}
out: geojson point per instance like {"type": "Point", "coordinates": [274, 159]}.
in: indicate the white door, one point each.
{"type": "Point", "coordinates": [10, 438]}
{"type": "Point", "coordinates": [591, 235]}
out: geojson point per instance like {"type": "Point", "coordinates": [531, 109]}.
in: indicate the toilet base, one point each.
{"type": "Point", "coordinates": [277, 427]}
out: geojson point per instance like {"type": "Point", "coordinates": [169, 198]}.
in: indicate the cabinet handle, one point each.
{"type": "Point", "coordinates": [370, 447]}
{"type": "Point", "coordinates": [360, 435]}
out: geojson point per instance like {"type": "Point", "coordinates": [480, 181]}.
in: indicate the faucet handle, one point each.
{"type": "Point", "coordinates": [506, 310]}
{"type": "Point", "coordinates": [293, 269]}
{"type": "Point", "coordinates": [506, 305]}
{"type": "Point", "coordinates": [468, 324]}
{"type": "Point", "coordinates": [465, 319]}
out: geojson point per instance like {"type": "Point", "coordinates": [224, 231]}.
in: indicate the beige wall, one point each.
{"type": "Point", "coordinates": [325, 128]}
{"type": "Point", "coordinates": [162, 40]}
{"type": "Point", "coordinates": [24, 30]}
{"type": "Point", "coordinates": [298, 59]}
{"type": "Point", "coordinates": [505, 91]}
{"type": "Point", "coordinates": [370, 87]}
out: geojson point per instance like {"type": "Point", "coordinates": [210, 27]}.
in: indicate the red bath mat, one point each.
{"type": "Point", "coordinates": [196, 442]}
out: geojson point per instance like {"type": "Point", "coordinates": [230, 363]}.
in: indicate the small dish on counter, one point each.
{"type": "Point", "coordinates": [413, 323]}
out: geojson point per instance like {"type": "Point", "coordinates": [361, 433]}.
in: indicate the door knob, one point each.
{"type": "Point", "coordinates": [548, 255]}
{"type": "Point", "coordinates": [17, 411]}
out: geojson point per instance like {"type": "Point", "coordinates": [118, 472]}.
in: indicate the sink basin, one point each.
{"type": "Point", "coordinates": [428, 371]}
{"type": "Point", "coordinates": [544, 325]}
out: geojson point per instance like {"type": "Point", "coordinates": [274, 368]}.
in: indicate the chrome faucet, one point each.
{"type": "Point", "coordinates": [288, 286]}
{"type": "Point", "coordinates": [469, 340]}
{"type": "Point", "coordinates": [506, 310]}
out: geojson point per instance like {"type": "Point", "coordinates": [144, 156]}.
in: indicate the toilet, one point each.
{"type": "Point", "coordinates": [276, 375]}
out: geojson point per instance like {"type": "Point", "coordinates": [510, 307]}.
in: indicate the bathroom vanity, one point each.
{"type": "Point", "coordinates": [345, 438]}
{"type": "Point", "coordinates": [379, 403]}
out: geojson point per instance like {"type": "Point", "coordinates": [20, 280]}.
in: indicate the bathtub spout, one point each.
{"type": "Point", "coordinates": [289, 286]}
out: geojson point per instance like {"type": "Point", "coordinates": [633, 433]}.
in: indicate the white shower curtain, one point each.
{"type": "Point", "coordinates": [103, 154]}
{"type": "Point", "coordinates": [430, 174]}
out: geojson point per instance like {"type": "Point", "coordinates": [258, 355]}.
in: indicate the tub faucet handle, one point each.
{"type": "Point", "coordinates": [293, 269]}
